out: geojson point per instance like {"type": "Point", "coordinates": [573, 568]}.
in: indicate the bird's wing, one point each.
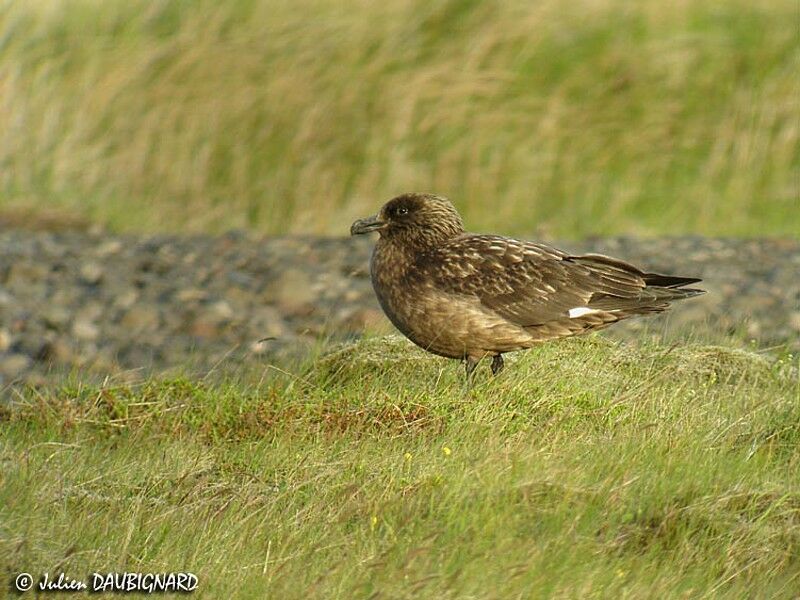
{"type": "Point", "coordinates": [531, 284]}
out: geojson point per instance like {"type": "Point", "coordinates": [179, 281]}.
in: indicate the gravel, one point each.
{"type": "Point", "coordinates": [94, 305]}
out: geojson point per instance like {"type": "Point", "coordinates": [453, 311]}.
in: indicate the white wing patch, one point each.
{"type": "Point", "coordinates": [580, 311]}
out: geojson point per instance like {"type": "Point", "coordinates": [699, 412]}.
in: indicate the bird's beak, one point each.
{"type": "Point", "coordinates": [372, 223]}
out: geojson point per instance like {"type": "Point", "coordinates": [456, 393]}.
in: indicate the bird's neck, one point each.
{"type": "Point", "coordinates": [395, 259]}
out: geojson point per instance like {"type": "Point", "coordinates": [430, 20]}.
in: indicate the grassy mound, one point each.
{"type": "Point", "coordinates": [586, 469]}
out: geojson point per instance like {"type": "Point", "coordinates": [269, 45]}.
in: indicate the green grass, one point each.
{"type": "Point", "coordinates": [587, 469]}
{"type": "Point", "coordinates": [588, 117]}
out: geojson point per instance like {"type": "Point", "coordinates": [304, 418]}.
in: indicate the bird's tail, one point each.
{"type": "Point", "coordinates": [613, 272]}
{"type": "Point", "coordinates": [672, 287]}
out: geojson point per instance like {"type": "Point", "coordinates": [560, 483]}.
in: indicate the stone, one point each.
{"type": "Point", "coordinates": [292, 288]}
{"type": "Point", "coordinates": [352, 295]}
{"type": "Point", "coordinates": [266, 321]}
{"type": "Point", "coordinates": [108, 248]}
{"type": "Point", "coordinates": [56, 317]}
{"type": "Point", "coordinates": [31, 344]}
{"type": "Point", "coordinates": [364, 319]}
{"type": "Point", "coordinates": [211, 320]}
{"type": "Point", "coordinates": [205, 328]}
{"type": "Point", "coordinates": [67, 296]}
{"type": "Point", "coordinates": [13, 365]}
{"type": "Point", "coordinates": [126, 299]}
{"type": "Point", "coordinates": [91, 311]}
{"type": "Point", "coordinates": [59, 351]}
{"type": "Point", "coordinates": [191, 295]}
{"type": "Point", "coordinates": [85, 330]}
{"type": "Point", "coordinates": [22, 273]}
{"type": "Point", "coordinates": [5, 339]}
{"type": "Point", "coordinates": [753, 329]}
{"type": "Point", "coordinates": [222, 310]}
{"type": "Point", "coordinates": [261, 346]}
{"type": "Point", "coordinates": [141, 318]}
{"type": "Point", "coordinates": [79, 299]}
{"type": "Point", "coordinates": [91, 273]}
{"type": "Point", "coordinates": [239, 296]}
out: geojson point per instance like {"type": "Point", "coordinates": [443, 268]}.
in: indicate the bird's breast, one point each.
{"type": "Point", "coordinates": [401, 290]}
{"type": "Point", "coordinates": [409, 298]}
{"type": "Point", "coordinates": [443, 323]}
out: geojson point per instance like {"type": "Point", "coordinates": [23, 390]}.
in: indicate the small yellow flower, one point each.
{"type": "Point", "coordinates": [446, 450]}
{"type": "Point", "coordinates": [373, 522]}
{"type": "Point", "coordinates": [408, 456]}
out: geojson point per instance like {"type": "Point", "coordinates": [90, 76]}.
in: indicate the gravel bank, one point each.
{"type": "Point", "coordinates": [99, 304]}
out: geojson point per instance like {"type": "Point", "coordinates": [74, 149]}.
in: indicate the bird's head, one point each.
{"type": "Point", "coordinates": [415, 218]}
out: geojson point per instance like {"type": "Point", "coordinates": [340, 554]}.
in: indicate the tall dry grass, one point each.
{"type": "Point", "coordinates": [595, 116]}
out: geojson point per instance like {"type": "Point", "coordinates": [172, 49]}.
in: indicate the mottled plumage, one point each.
{"type": "Point", "coordinates": [468, 296]}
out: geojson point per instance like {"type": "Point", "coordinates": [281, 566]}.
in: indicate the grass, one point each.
{"type": "Point", "coordinates": [573, 119]}
{"type": "Point", "coordinates": [588, 469]}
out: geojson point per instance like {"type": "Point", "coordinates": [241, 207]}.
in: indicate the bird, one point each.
{"type": "Point", "coordinates": [472, 296]}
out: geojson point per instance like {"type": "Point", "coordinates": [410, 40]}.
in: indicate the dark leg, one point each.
{"type": "Point", "coordinates": [470, 363]}
{"type": "Point", "coordinates": [497, 364]}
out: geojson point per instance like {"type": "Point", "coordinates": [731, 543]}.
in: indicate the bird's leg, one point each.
{"type": "Point", "coordinates": [497, 364]}
{"type": "Point", "coordinates": [470, 362]}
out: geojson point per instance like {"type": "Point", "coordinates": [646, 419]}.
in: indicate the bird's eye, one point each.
{"type": "Point", "coordinates": [402, 211]}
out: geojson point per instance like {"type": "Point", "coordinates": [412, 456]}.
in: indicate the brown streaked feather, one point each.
{"type": "Point", "coordinates": [468, 296]}
{"type": "Point", "coordinates": [533, 284]}
{"type": "Point", "coordinates": [528, 284]}
{"type": "Point", "coordinates": [615, 265]}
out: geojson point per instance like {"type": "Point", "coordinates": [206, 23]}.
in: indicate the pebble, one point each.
{"type": "Point", "coordinates": [56, 317]}
{"type": "Point", "coordinates": [222, 310]}
{"type": "Point", "coordinates": [130, 305]}
{"type": "Point", "coordinates": [5, 339]}
{"type": "Point", "coordinates": [140, 319]}
{"type": "Point", "coordinates": [126, 299]}
{"type": "Point", "coordinates": [291, 288]}
{"type": "Point", "coordinates": [267, 321]}
{"type": "Point", "coordinates": [108, 248]}
{"type": "Point", "coordinates": [85, 330]}
{"type": "Point", "coordinates": [191, 295]}
{"type": "Point", "coordinates": [25, 273]}
{"type": "Point", "coordinates": [91, 273]}
{"type": "Point", "coordinates": [13, 365]}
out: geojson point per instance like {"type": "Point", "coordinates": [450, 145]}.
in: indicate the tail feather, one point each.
{"type": "Point", "coordinates": [652, 298]}
{"type": "Point", "coordinates": [619, 286]}
{"type": "Point", "coordinates": [668, 281]}
{"type": "Point", "coordinates": [682, 293]}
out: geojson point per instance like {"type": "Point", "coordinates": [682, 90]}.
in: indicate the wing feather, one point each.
{"type": "Point", "coordinates": [531, 284]}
